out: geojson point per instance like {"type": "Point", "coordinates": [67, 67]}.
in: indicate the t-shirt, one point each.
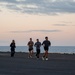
{"type": "Point", "coordinates": [13, 46]}
{"type": "Point", "coordinates": [30, 44]}
{"type": "Point", "coordinates": [38, 45]}
{"type": "Point", "coordinates": [46, 43]}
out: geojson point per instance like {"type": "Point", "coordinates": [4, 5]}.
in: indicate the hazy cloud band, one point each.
{"type": "Point", "coordinates": [40, 6]}
{"type": "Point", "coordinates": [44, 31]}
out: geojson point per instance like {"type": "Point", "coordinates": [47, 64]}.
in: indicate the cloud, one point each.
{"type": "Point", "coordinates": [66, 22]}
{"type": "Point", "coordinates": [60, 25]}
{"type": "Point", "coordinates": [52, 7]}
{"type": "Point", "coordinates": [29, 31]}
{"type": "Point", "coordinates": [0, 10]}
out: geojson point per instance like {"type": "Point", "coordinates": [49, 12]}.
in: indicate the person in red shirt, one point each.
{"type": "Point", "coordinates": [30, 45]}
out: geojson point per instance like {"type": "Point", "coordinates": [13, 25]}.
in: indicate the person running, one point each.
{"type": "Point", "coordinates": [37, 45]}
{"type": "Point", "coordinates": [46, 45]}
{"type": "Point", "coordinates": [30, 45]}
{"type": "Point", "coordinates": [13, 46]}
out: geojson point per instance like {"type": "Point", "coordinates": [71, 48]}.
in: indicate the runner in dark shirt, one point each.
{"type": "Point", "coordinates": [13, 46]}
{"type": "Point", "coordinates": [30, 45]}
{"type": "Point", "coordinates": [46, 45]}
{"type": "Point", "coordinates": [37, 45]}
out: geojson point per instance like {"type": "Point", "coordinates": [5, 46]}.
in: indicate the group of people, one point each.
{"type": "Point", "coordinates": [46, 43]}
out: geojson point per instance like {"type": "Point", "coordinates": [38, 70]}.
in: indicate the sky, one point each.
{"type": "Point", "coordinates": [24, 19]}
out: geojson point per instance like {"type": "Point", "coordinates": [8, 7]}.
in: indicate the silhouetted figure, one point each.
{"type": "Point", "coordinates": [37, 45]}
{"type": "Point", "coordinates": [13, 46]}
{"type": "Point", "coordinates": [30, 45]}
{"type": "Point", "coordinates": [46, 45]}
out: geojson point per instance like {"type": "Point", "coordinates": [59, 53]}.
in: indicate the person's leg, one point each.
{"type": "Point", "coordinates": [29, 53]}
{"type": "Point", "coordinates": [11, 54]}
{"type": "Point", "coordinates": [38, 52]}
{"type": "Point", "coordinates": [46, 54]}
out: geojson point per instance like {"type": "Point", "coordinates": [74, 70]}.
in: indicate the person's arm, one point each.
{"type": "Point", "coordinates": [49, 43]}
{"type": "Point", "coordinates": [10, 44]}
{"type": "Point", "coordinates": [15, 45]}
{"type": "Point", "coordinates": [35, 44]}
{"type": "Point", "coordinates": [42, 43]}
{"type": "Point", "coordinates": [28, 43]}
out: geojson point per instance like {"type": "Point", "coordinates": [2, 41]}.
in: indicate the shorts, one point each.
{"type": "Point", "coordinates": [46, 48]}
{"type": "Point", "coordinates": [30, 49]}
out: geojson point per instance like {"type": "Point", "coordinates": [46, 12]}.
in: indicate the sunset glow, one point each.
{"type": "Point", "coordinates": [29, 19]}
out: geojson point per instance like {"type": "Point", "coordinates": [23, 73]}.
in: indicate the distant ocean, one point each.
{"type": "Point", "coordinates": [52, 49]}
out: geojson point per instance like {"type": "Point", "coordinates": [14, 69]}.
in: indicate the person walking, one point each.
{"type": "Point", "coordinates": [13, 46]}
{"type": "Point", "coordinates": [37, 45]}
{"type": "Point", "coordinates": [30, 45]}
{"type": "Point", "coordinates": [46, 45]}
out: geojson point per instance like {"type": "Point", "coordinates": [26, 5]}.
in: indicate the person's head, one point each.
{"type": "Point", "coordinates": [37, 40]}
{"type": "Point", "coordinates": [46, 38]}
{"type": "Point", "coordinates": [13, 41]}
{"type": "Point", "coordinates": [30, 39]}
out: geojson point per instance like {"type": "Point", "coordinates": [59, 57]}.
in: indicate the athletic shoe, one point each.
{"type": "Point", "coordinates": [43, 58]}
{"type": "Point", "coordinates": [46, 58]}
{"type": "Point", "coordinates": [29, 56]}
